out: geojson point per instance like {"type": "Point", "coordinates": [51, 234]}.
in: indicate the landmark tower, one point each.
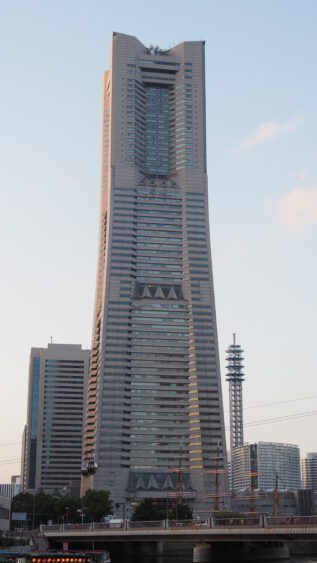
{"type": "Point", "coordinates": [154, 385]}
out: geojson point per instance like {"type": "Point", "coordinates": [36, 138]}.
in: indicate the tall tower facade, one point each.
{"type": "Point", "coordinates": [58, 377]}
{"type": "Point", "coordinates": [235, 376]}
{"type": "Point", "coordinates": [154, 391]}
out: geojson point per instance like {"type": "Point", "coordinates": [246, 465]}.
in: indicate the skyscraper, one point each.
{"type": "Point", "coordinates": [58, 377]}
{"type": "Point", "coordinates": [154, 393]}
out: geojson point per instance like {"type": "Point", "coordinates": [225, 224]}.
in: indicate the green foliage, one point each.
{"type": "Point", "coordinates": [68, 509]}
{"type": "Point", "coordinates": [149, 511]}
{"type": "Point", "coordinates": [182, 512]}
{"type": "Point", "coordinates": [96, 504]}
{"type": "Point", "coordinates": [42, 507]}
{"type": "Point", "coordinates": [39, 507]}
{"type": "Point", "coordinates": [22, 502]}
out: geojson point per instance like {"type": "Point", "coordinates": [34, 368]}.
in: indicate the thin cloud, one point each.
{"type": "Point", "coordinates": [297, 209]}
{"type": "Point", "coordinates": [267, 131]}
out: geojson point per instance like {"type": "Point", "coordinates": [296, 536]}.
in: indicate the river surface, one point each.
{"type": "Point", "coordinates": [189, 559]}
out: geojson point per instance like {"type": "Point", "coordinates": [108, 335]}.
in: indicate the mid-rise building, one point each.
{"type": "Point", "coordinates": [264, 463]}
{"type": "Point", "coordinates": [309, 471]}
{"type": "Point", "coordinates": [5, 508]}
{"type": "Point", "coordinates": [154, 394]}
{"type": "Point", "coordinates": [57, 390]}
{"type": "Point", "coordinates": [11, 489]}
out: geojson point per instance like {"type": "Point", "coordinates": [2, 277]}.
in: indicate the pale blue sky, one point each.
{"type": "Point", "coordinates": [260, 69]}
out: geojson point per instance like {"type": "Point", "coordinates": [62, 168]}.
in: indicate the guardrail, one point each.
{"type": "Point", "coordinates": [106, 525]}
{"type": "Point", "coordinates": [188, 524]}
{"type": "Point", "coordinates": [292, 521]}
{"type": "Point", "coordinates": [151, 524]}
{"type": "Point", "coordinates": [259, 521]}
{"type": "Point", "coordinates": [239, 522]}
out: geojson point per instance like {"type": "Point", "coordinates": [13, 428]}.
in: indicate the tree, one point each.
{"type": "Point", "coordinates": [39, 508]}
{"type": "Point", "coordinates": [68, 509]}
{"type": "Point", "coordinates": [183, 512]}
{"type": "Point", "coordinates": [44, 508]}
{"type": "Point", "coordinates": [148, 510]}
{"type": "Point", "coordinates": [23, 502]}
{"type": "Point", "coordinates": [96, 504]}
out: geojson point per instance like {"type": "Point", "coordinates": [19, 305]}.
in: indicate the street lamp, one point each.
{"type": "Point", "coordinates": [33, 512]}
{"type": "Point", "coordinates": [81, 514]}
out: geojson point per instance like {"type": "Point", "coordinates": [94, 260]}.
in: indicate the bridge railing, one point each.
{"type": "Point", "coordinates": [292, 521]}
{"type": "Point", "coordinates": [107, 525]}
{"type": "Point", "coordinates": [213, 522]}
{"type": "Point", "coordinates": [152, 524]}
{"type": "Point", "coordinates": [187, 523]}
{"type": "Point", "coordinates": [77, 527]}
{"type": "Point", "coordinates": [51, 528]}
{"type": "Point", "coordinates": [228, 522]}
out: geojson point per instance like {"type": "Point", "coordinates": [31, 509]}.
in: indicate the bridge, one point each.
{"type": "Point", "coordinates": [246, 529]}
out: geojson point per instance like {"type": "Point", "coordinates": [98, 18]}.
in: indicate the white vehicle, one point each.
{"type": "Point", "coordinates": [112, 521]}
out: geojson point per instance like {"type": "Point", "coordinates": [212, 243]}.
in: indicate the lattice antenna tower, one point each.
{"type": "Point", "coordinates": [235, 376]}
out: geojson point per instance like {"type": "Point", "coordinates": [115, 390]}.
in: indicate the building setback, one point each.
{"type": "Point", "coordinates": [57, 390]}
{"type": "Point", "coordinates": [265, 460]}
{"type": "Point", "coordinates": [154, 393]}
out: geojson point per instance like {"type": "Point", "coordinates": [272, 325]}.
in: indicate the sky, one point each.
{"type": "Point", "coordinates": [262, 166]}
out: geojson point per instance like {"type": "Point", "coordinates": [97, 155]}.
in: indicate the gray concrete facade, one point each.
{"type": "Point", "coordinates": [154, 393]}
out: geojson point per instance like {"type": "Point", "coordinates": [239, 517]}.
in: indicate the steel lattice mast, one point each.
{"type": "Point", "coordinates": [235, 376]}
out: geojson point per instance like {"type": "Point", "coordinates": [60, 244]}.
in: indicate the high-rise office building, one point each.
{"type": "Point", "coordinates": [57, 392]}
{"type": "Point", "coordinates": [309, 471]}
{"type": "Point", "coordinates": [154, 393]}
{"type": "Point", "coordinates": [263, 462]}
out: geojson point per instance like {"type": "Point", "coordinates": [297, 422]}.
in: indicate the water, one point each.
{"type": "Point", "coordinates": [189, 559]}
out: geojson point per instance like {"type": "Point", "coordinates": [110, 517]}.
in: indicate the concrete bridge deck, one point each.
{"type": "Point", "coordinates": [211, 530]}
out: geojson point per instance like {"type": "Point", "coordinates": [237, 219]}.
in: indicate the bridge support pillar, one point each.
{"type": "Point", "coordinates": [202, 553]}
{"type": "Point", "coordinates": [240, 552]}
